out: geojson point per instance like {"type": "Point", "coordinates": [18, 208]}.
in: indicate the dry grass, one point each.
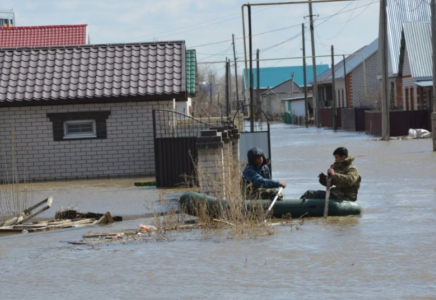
{"type": "Point", "coordinates": [231, 216]}
{"type": "Point", "coordinates": [15, 194]}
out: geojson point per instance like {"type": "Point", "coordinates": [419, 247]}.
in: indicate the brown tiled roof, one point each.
{"type": "Point", "coordinates": [33, 36]}
{"type": "Point", "coordinates": [92, 73]}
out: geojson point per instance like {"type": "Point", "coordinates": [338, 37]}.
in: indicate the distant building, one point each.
{"type": "Point", "coordinates": [356, 83]}
{"type": "Point", "coordinates": [415, 66]}
{"type": "Point", "coordinates": [400, 12]}
{"type": "Point", "coordinates": [282, 98]}
{"type": "Point", "coordinates": [7, 18]}
{"type": "Point", "coordinates": [273, 76]}
{"type": "Point", "coordinates": [37, 36]}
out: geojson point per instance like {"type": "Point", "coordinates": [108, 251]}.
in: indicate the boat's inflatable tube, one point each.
{"type": "Point", "coordinates": [199, 204]}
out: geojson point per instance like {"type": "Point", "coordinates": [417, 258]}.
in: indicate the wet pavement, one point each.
{"type": "Point", "coordinates": [386, 253]}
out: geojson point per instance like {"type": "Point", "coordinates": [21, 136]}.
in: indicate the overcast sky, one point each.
{"type": "Point", "coordinates": [207, 26]}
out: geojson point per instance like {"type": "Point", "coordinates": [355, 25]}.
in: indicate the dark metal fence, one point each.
{"type": "Point", "coordinates": [175, 150]}
{"type": "Point", "coordinates": [353, 119]}
{"type": "Point", "coordinates": [400, 121]}
{"type": "Point", "coordinates": [348, 119]}
{"type": "Point", "coordinates": [325, 117]}
{"type": "Point", "coordinates": [360, 118]}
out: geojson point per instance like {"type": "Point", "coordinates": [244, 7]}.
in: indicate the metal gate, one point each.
{"type": "Point", "coordinates": [175, 150]}
{"type": "Point", "coordinates": [255, 135]}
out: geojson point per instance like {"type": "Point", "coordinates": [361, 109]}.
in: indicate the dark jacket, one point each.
{"type": "Point", "coordinates": [259, 177]}
{"type": "Point", "coordinates": [346, 181]}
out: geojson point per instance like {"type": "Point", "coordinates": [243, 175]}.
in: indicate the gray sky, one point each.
{"type": "Point", "coordinates": [207, 26]}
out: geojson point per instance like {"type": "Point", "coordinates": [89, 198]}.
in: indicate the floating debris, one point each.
{"type": "Point", "coordinates": [63, 219]}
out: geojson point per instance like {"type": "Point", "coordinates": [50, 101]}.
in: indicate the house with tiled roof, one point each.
{"type": "Point", "coordinates": [35, 36]}
{"type": "Point", "coordinates": [86, 111]}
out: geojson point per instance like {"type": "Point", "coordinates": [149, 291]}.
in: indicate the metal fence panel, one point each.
{"type": "Point", "coordinates": [175, 149]}
{"type": "Point", "coordinates": [400, 121]}
{"type": "Point", "coordinates": [175, 161]}
{"type": "Point", "coordinates": [249, 140]}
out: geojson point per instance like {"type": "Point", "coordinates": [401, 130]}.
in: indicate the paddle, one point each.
{"type": "Point", "coordinates": [272, 204]}
{"type": "Point", "coordinates": [327, 195]}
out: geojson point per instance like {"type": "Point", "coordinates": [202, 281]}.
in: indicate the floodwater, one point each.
{"type": "Point", "coordinates": [386, 253]}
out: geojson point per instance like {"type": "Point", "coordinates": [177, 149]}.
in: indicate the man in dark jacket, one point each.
{"type": "Point", "coordinates": [344, 177]}
{"type": "Point", "coordinates": [257, 177]}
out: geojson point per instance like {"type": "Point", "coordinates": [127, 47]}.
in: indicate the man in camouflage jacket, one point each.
{"type": "Point", "coordinates": [345, 179]}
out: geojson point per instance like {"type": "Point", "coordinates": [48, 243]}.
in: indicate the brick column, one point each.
{"type": "Point", "coordinates": [210, 166]}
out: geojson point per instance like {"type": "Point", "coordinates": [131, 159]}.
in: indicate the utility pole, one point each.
{"type": "Point", "coordinates": [227, 89]}
{"type": "Point", "coordinates": [333, 90]}
{"type": "Point", "coordinates": [236, 73]}
{"type": "Point", "coordinates": [258, 79]}
{"type": "Point", "coordinates": [384, 72]}
{"type": "Point", "coordinates": [210, 91]}
{"type": "Point", "coordinates": [345, 81]}
{"type": "Point", "coordinates": [230, 86]}
{"type": "Point", "coordinates": [315, 85]}
{"type": "Point", "coordinates": [251, 71]}
{"type": "Point", "coordinates": [433, 43]}
{"type": "Point", "coordinates": [306, 101]}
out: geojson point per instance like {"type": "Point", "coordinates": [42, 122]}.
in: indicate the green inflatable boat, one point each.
{"type": "Point", "coordinates": [192, 203]}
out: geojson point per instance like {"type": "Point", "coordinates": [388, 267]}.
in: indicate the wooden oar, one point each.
{"type": "Point", "coordinates": [272, 204]}
{"type": "Point", "coordinates": [327, 196]}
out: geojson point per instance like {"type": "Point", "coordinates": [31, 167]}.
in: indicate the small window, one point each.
{"type": "Point", "coordinates": [79, 129]}
{"type": "Point", "coordinates": [79, 125]}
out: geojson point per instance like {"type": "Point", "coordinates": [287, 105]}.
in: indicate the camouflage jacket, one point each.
{"type": "Point", "coordinates": [346, 182]}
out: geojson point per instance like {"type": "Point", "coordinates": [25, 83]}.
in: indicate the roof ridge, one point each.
{"type": "Point", "coordinates": [88, 46]}
{"type": "Point", "coordinates": [42, 27]}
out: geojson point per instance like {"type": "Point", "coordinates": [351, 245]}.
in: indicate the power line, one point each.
{"type": "Point", "coordinates": [281, 43]}
{"type": "Point", "coordinates": [283, 28]}
{"type": "Point", "coordinates": [223, 53]}
{"type": "Point", "coordinates": [196, 26]}
{"type": "Point", "coordinates": [349, 19]}
{"type": "Point", "coordinates": [289, 54]}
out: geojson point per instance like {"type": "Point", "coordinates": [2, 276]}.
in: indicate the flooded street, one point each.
{"type": "Point", "coordinates": [386, 253]}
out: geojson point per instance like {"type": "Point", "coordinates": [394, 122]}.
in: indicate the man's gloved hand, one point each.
{"type": "Point", "coordinates": [322, 177]}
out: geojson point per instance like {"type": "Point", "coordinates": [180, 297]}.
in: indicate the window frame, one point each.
{"type": "Point", "coordinates": [68, 135]}
{"type": "Point", "coordinates": [58, 124]}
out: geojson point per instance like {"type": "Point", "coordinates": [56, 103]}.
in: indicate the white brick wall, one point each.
{"type": "Point", "coordinates": [372, 83]}
{"type": "Point", "coordinates": [128, 149]}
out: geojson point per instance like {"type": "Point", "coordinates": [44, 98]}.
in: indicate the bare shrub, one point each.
{"type": "Point", "coordinates": [15, 193]}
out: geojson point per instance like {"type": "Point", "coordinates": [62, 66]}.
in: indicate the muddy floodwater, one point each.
{"type": "Point", "coordinates": [389, 252]}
